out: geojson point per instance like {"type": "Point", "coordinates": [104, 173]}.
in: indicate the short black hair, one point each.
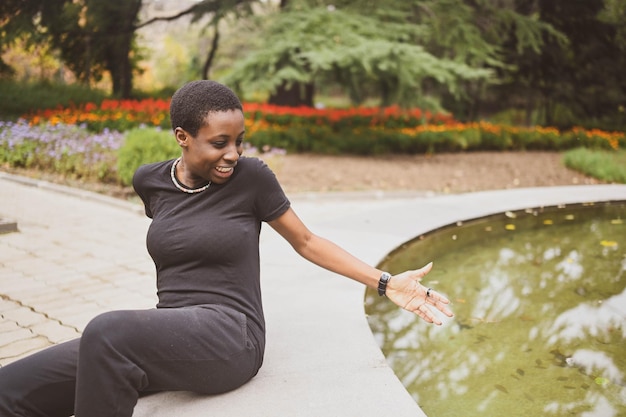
{"type": "Point", "coordinates": [192, 102]}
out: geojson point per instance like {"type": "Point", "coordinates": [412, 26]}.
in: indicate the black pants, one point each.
{"type": "Point", "coordinates": [124, 354]}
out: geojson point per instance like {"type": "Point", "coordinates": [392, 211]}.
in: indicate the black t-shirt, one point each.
{"type": "Point", "coordinates": [206, 245]}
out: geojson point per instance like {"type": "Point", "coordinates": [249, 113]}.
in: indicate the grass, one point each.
{"type": "Point", "coordinates": [17, 98]}
{"type": "Point", "coordinates": [608, 166]}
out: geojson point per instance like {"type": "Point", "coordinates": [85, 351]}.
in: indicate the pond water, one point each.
{"type": "Point", "coordinates": [539, 298]}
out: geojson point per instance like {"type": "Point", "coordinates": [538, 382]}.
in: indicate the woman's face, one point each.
{"type": "Point", "coordinates": [213, 153]}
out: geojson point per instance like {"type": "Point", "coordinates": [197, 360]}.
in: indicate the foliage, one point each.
{"type": "Point", "coordinates": [17, 99]}
{"type": "Point", "coordinates": [578, 82]}
{"type": "Point", "coordinates": [399, 52]}
{"type": "Point", "coordinates": [144, 146]}
{"type": "Point", "coordinates": [92, 36]}
{"type": "Point", "coordinates": [557, 61]}
{"type": "Point", "coordinates": [605, 165]}
{"type": "Point", "coordinates": [32, 61]}
{"type": "Point", "coordinates": [427, 138]}
{"type": "Point", "coordinates": [310, 44]}
{"type": "Point", "coordinates": [68, 149]}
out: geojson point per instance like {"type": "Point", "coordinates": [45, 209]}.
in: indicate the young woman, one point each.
{"type": "Point", "coordinates": [207, 333]}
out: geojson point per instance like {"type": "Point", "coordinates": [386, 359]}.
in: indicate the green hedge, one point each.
{"type": "Point", "coordinates": [144, 146]}
{"type": "Point", "coordinates": [335, 139]}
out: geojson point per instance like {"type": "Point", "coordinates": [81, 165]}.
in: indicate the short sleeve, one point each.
{"type": "Point", "coordinates": [270, 201]}
{"type": "Point", "coordinates": [139, 184]}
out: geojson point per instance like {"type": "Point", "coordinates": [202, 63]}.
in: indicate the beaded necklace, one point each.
{"type": "Point", "coordinates": [180, 187]}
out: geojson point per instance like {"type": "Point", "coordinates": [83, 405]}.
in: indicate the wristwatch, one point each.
{"type": "Point", "coordinates": [382, 283]}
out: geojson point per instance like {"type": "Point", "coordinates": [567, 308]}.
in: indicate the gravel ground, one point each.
{"type": "Point", "coordinates": [439, 173]}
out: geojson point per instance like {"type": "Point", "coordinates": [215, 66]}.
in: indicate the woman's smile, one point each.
{"type": "Point", "coordinates": [225, 171]}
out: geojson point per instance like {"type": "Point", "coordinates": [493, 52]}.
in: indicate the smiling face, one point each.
{"type": "Point", "coordinates": [212, 154]}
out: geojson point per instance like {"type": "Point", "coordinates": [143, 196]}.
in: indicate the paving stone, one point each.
{"type": "Point", "coordinates": [8, 326]}
{"type": "Point", "coordinates": [33, 266]}
{"type": "Point", "coordinates": [54, 331]}
{"type": "Point", "coordinates": [7, 305]}
{"type": "Point", "coordinates": [23, 284]}
{"type": "Point", "coordinates": [56, 253]}
{"type": "Point", "coordinates": [22, 347]}
{"type": "Point", "coordinates": [80, 321]}
{"type": "Point", "coordinates": [61, 276]}
{"type": "Point", "coordinates": [49, 304]}
{"type": "Point", "coordinates": [35, 296]}
{"type": "Point", "coordinates": [9, 253]}
{"type": "Point", "coordinates": [20, 333]}
{"type": "Point", "coordinates": [23, 316]}
{"type": "Point", "coordinates": [7, 274]}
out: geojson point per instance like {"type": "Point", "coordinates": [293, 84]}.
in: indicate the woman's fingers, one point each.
{"type": "Point", "coordinates": [418, 298]}
{"type": "Point", "coordinates": [420, 304]}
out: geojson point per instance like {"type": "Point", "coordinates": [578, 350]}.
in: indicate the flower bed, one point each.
{"type": "Point", "coordinates": [362, 131]}
{"type": "Point", "coordinates": [68, 149]}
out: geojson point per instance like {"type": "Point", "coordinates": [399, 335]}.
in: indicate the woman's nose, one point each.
{"type": "Point", "coordinates": [232, 153]}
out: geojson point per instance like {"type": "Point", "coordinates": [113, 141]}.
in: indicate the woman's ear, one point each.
{"type": "Point", "coordinates": [181, 137]}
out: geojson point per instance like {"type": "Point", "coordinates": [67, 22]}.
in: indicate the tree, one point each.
{"type": "Point", "coordinates": [579, 81]}
{"type": "Point", "coordinates": [483, 33]}
{"type": "Point", "coordinates": [92, 36]}
{"type": "Point", "coordinates": [399, 52]}
{"type": "Point", "coordinates": [304, 45]}
{"type": "Point", "coordinates": [27, 20]}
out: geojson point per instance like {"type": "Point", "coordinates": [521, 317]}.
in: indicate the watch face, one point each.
{"type": "Point", "coordinates": [382, 283]}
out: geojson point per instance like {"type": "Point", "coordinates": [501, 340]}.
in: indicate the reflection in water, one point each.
{"type": "Point", "coordinates": [540, 311]}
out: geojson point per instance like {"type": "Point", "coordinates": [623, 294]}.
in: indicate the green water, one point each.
{"type": "Point", "coordinates": [539, 298]}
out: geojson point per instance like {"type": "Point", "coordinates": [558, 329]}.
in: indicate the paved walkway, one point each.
{"type": "Point", "coordinates": [78, 254]}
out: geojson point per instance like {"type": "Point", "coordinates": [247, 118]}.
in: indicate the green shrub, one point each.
{"type": "Point", "coordinates": [608, 166]}
{"type": "Point", "coordinates": [143, 146]}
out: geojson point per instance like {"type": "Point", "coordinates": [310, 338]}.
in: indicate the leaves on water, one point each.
{"type": "Point", "coordinates": [601, 381]}
{"type": "Point", "coordinates": [501, 388]}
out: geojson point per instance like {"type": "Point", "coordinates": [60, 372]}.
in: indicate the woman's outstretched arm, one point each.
{"type": "Point", "coordinates": [403, 289]}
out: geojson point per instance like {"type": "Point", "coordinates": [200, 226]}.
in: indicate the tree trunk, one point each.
{"type": "Point", "coordinates": [118, 59]}
{"type": "Point", "coordinates": [294, 95]}
{"type": "Point", "coordinates": [209, 60]}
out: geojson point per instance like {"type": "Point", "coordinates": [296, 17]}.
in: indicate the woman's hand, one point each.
{"type": "Point", "coordinates": [406, 291]}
